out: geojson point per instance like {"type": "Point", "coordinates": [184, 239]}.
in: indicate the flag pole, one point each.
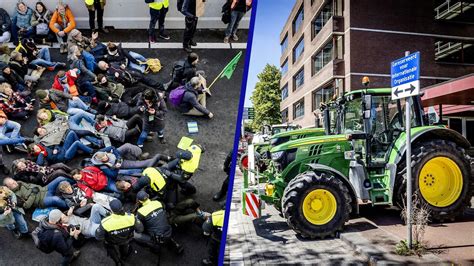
{"type": "Point", "coordinates": [217, 77]}
{"type": "Point", "coordinates": [224, 69]}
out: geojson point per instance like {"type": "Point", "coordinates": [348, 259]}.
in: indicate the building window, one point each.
{"type": "Point", "coordinates": [298, 21]}
{"type": "Point", "coordinates": [321, 19]}
{"type": "Point", "coordinates": [321, 96]}
{"type": "Point", "coordinates": [284, 68]}
{"type": "Point", "coordinates": [284, 116]}
{"type": "Point", "coordinates": [284, 92]}
{"type": "Point", "coordinates": [298, 50]}
{"type": "Point", "coordinates": [322, 58]}
{"type": "Point", "coordinates": [298, 79]}
{"type": "Point", "coordinates": [298, 109]}
{"type": "Point", "coordinates": [454, 51]}
{"type": "Point", "coordinates": [284, 44]}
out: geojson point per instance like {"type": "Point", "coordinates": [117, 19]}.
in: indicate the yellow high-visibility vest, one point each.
{"type": "Point", "coordinates": [149, 206]}
{"type": "Point", "coordinates": [89, 2]}
{"type": "Point", "coordinates": [218, 218]}
{"type": "Point", "coordinates": [157, 181]}
{"type": "Point", "coordinates": [159, 4]}
{"type": "Point", "coordinates": [116, 222]}
{"type": "Point", "coordinates": [190, 166]}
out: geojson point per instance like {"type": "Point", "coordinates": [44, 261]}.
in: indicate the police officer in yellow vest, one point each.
{"type": "Point", "coordinates": [213, 227]}
{"type": "Point", "coordinates": [158, 10]}
{"type": "Point", "coordinates": [94, 6]}
{"type": "Point", "coordinates": [117, 231]}
{"type": "Point", "coordinates": [186, 164]}
{"type": "Point", "coordinates": [158, 231]}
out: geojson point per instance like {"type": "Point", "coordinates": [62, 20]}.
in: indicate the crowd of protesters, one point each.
{"type": "Point", "coordinates": [102, 107]}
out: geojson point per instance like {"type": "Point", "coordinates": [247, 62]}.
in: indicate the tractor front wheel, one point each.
{"type": "Point", "coordinates": [316, 205]}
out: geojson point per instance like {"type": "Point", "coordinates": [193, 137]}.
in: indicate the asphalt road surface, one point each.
{"type": "Point", "coordinates": [216, 135]}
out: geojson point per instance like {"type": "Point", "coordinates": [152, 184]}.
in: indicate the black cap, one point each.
{"type": "Point", "coordinates": [116, 206]}
{"type": "Point", "coordinates": [142, 196]}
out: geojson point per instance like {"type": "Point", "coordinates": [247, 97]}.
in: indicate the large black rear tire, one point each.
{"type": "Point", "coordinates": [300, 188]}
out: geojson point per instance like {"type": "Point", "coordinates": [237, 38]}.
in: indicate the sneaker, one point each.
{"type": "Point", "coordinates": [164, 36]}
{"type": "Point", "coordinates": [187, 49]}
{"type": "Point", "coordinates": [16, 234]}
{"type": "Point", "coordinates": [21, 148]}
{"type": "Point", "coordinates": [235, 37]}
{"type": "Point", "coordinates": [151, 39]}
{"type": "Point", "coordinates": [226, 39]}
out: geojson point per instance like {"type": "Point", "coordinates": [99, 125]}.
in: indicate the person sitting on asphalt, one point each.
{"type": "Point", "coordinates": [120, 130]}
{"type": "Point", "coordinates": [30, 172]}
{"type": "Point", "coordinates": [20, 65]}
{"type": "Point", "coordinates": [55, 237]}
{"type": "Point", "coordinates": [75, 198]}
{"type": "Point", "coordinates": [11, 215]}
{"type": "Point", "coordinates": [5, 26]}
{"type": "Point", "coordinates": [120, 110]}
{"type": "Point", "coordinates": [62, 23]}
{"type": "Point", "coordinates": [14, 104]}
{"type": "Point", "coordinates": [61, 101]}
{"type": "Point", "coordinates": [37, 57]}
{"type": "Point", "coordinates": [91, 48]}
{"type": "Point", "coordinates": [78, 61]}
{"type": "Point", "coordinates": [155, 221]}
{"type": "Point", "coordinates": [42, 17]}
{"type": "Point", "coordinates": [18, 83]}
{"type": "Point", "coordinates": [194, 99]}
{"type": "Point", "coordinates": [184, 70]}
{"type": "Point", "coordinates": [58, 153]}
{"type": "Point", "coordinates": [117, 232]}
{"type": "Point", "coordinates": [21, 22]}
{"type": "Point", "coordinates": [87, 225]}
{"type": "Point", "coordinates": [34, 196]}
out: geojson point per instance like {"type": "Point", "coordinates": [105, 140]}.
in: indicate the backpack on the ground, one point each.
{"type": "Point", "coordinates": [153, 65]}
{"type": "Point", "coordinates": [177, 75]}
{"type": "Point", "coordinates": [176, 95]}
{"type": "Point", "coordinates": [40, 243]}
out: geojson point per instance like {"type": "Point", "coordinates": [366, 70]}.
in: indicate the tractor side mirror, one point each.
{"type": "Point", "coordinates": [367, 106]}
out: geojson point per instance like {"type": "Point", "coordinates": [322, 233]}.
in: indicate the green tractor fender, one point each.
{"type": "Point", "coordinates": [329, 170]}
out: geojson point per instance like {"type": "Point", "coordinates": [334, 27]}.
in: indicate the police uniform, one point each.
{"type": "Point", "coordinates": [213, 226]}
{"type": "Point", "coordinates": [158, 10]}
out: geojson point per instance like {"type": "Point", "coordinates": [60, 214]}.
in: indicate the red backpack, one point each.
{"type": "Point", "coordinates": [93, 178]}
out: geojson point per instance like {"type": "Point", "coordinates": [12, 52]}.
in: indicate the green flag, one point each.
{"type": "Point", "coordinates": [229, 69]}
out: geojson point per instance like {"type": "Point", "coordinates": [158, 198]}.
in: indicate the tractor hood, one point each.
{"type": "Point", "coordinates": [283, 137]}
{"type": "Point", "coordinates": [309, 141]}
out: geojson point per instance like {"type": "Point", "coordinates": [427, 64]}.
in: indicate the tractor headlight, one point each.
{"type": "Point", "coordinates": [277, 155]}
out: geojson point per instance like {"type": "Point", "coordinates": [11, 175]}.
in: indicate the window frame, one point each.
{"type": "Point", "coordinates": [295, 87]}
{"type": "Point", "coordinates": [300, 11]}
{"type": "Point", "coordinates": [295, 105]}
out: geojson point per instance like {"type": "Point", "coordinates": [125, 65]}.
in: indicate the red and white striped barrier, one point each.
{"type": "Point", "coordinates": [252, 205]}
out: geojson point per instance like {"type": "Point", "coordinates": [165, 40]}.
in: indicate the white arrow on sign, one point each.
{"type": "Point", "coordinates": [406, 90]}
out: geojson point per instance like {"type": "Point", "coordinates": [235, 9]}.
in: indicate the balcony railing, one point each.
{"type": "Point", "coordinates": [451, 9]}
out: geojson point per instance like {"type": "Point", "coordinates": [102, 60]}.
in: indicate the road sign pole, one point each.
{"type": "Point", "coordinates": [408, 166]}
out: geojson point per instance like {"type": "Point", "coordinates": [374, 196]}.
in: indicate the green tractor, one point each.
{"type": "Point", "coordinates": [318, 182]}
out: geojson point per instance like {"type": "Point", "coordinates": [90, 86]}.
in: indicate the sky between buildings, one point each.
{"type": "Point", "coordinates": [270, 19]}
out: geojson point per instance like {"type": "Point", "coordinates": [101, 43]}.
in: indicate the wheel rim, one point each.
{"type": "Point", "coordinates": [319, 206]}
{"type": "Point", "coordinates": [440, 181]}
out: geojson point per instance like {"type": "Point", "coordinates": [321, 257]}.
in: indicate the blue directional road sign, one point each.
{"type": "Point", "coordinates": [406, 76]}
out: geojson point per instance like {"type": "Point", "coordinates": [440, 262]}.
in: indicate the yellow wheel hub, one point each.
{"type": "Point", "coordinates": [440, 181]}
{"type": "Point", "coordinates": [319, 206]}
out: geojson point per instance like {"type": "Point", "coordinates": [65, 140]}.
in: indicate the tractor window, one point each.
{"type": "Point", "coordinates": [353, 120]}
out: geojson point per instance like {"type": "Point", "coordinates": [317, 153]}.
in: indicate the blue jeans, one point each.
{"type": "Point", "coordinates": [19, 222]}
{"type": "Point", "coordinates": [140, 58]}
{"type": "Point", "coordinates": [235, 18]}
{"type": "Point", "coordinates": [44, 59]}
{"type": "Point", "coordinates": [77, 116]}
{"type": "Point", "coordinates": [71, 145]}
{"type": "Point", "coordinates": [97, 214]}
{"type": "Point", "coordinates": [78, 104]}
{"type": "Point", "coordinates": [111, 186]}
{"type": "Point", "coordinates": [50, 200]}
{"type": "Point", "coordinates": [10, 129]}
{"type": "Point", "coordinates": [30, 32]}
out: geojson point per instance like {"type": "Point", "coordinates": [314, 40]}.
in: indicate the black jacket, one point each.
{"type": "Point", "coordinates": [190, 100]}
{"type": "Point", "coordinates": [5, 21]}
{"type": "Point", "coordinates": [57, 238]}
{"type": "Point", "coordinates": [155, 222]}
{"type": "Point", "coordinates": [122, 57]}
{"type": "Point", "coordinates": [189, 8]}
{"type": "Point", "coordinates": [159, 105]}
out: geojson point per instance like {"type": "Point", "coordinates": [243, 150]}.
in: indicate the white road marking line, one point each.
{"type": "Point", "coordinates": [165, 45]}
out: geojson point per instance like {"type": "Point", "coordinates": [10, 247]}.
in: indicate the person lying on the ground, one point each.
{"type": "Point", "coordinates": [13, 104]}
{"type": "Point", "coordinates": [91, 46]}
{"type": "Point", "coordinates": [158, 231]}
{"type": "Point", "coordinates": [56, 237]}
{"type": "Point", "coordinates": [154, 110]}
{"type": "Point", "coordinates": [125, 59]}
{"type": "Point", "coordinates": [11, 215]}
{"type": "Point", "coordinates": [112, 161]}
{"type": "Point", "coordinates": [60, 101]}
{"type": "Point", "coordinates": [108, 90]}
{"type": "Point", "coordinates": [78, 61]}
{"type": "Point", "coordinates": [120, 110]}
{"type": "Point", "coordinates": [10, 135]}
{"type": "Point", "coordinates": [194, 99]}
{"type": "Point", "coordinates": [88, 226]}
{"type": "Point", "coordinates": [34, 196]}
{"type": "Point", "coordinates": [20, 65]}
{"type": "Point", "coordinates": [37, 57]}
{"type": "Point", "coordinates": [76, 199]}
{"type": "Point", "coordinates": [129, 78]}
{"type": "Point", "coordinates": [187, 212]}
{"type": "Point", "coordinates": [58, 153]}
{"type": "Point", "coordinates": [71, 83]}
{"type": "Point", "coordinates": [91, 179]}
{"type": "Point", "coordinates": [17, 82]}
{"type": "Point", "coordinates": [120, 130]}
{"type": "Point", "coordinates": [30, 172]}
{"type": "Point", "coordinates": [44, 116]}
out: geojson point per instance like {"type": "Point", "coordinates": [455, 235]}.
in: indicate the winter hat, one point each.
{"type": "Point", "coordinates": [116, 206]}
{"type": "Point", "coordinates": [3, 65]}
{"type": "Point", "coordinates": [142, 196]}
{"type": "Point", "coordinates": [55, 216]}
{"type": "Point", "coordinates": [41, 94]}
{"type": "Point", "coordinates": [74, 33]}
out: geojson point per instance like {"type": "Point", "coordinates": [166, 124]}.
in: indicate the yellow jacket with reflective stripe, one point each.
{"type": "Point", "coordinates": [149, 206]}
{"type": "Point", "coordinates": [191, 166]}
{"type": "Point", "coordinates": [218, 218]}
{"type": "Point", "coordinates": [119, 228]}
{"type": "Point", "coordinates": [159, 4]}
{"type": "Point", "coordinates": [157, 181]}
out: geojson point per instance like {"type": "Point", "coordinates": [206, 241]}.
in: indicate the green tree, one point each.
{"type": "Point", "coordinates": [266, 98]}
